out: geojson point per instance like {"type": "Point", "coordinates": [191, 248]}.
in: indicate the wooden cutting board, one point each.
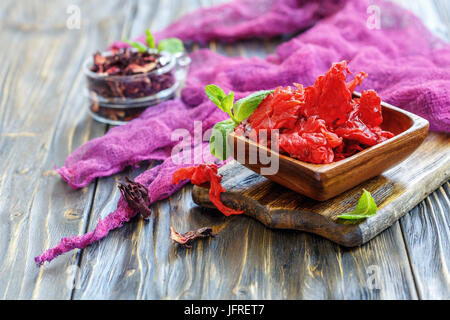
{"type": "Point", "coordinates": [396, 191]}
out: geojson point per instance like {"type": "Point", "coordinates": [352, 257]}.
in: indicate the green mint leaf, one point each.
{"type": "Point", "coordinates": [216, 95]}
{"type": "Point", "coordinates": [244, 107]}
{"type": "Point", "coordinates": [227, 103]}
{"type": "Point", "coordinates": [172, 45]}
{"type": "Point", "coordinates": [141, 47]}
{"type": "Point", "coordinates": [218, 143]}
{"type": "Point", "coordinates": [365, 208]}
{"type": "Point", "coordinates": [149, 39]}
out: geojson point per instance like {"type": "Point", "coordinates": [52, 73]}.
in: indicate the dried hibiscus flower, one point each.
{"type": "Point", "coordinates": [204, 174]}
{"type": "Point", "coordinates": [186, 239]}
{"type": "Point", "coordinates": [119, 77]}
{"type": "Point", "coordinates": [136, 196]}
{"type": "Point", "coordinates": [125, 62]}
{"type": "Point", "coordinates": [111, 82]}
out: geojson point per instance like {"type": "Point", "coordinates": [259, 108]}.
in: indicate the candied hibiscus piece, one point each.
{"type": "Point", "coordinates": [202, 174]}
{"type": "Point", "coordinates": [382, 135]}
{"type": "Point", "coordinates": [329, 98]}
{"type": "Point", "coordinates": [309, 147]}
{"type": "Point", "coordinates": [364, 120]}
{"type": "Point", "coordinates": [370, 108]}
{"type": "Point", "coordinates": [358, 131]}
{"type": "Point", "coordinates": [357, 80]}
{"type": "Point", "coordinates": [260, 118]}
{"type": "Point", "coordinates": [315, 125]}
{"type": "Point", "coordinates": [286, 107]}
{"type": "Point", "coordinates": [347, 149]}
{"type": "Point", "coordinates": [278, 110]}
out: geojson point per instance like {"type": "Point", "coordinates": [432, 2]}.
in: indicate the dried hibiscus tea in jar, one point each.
{"type": "Point", "coordinates": [123, 82]}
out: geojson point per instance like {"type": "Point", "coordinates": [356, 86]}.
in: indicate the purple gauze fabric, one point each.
{"type": "Point", "coordinates": [407, 65]}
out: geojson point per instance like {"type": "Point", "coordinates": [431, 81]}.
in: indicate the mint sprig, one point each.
{"type": "Point", "coordinates": [221, 100]}
{"type": "Point", "coordinates": [171, 45]}
{"type": "Point", "coordinates": [239, 111]}
{"type": "Point", "coordinates": [365, 208]}
{"type": "Point", "coordinates": [149, 39]}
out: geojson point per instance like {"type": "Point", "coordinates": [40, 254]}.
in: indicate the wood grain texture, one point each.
{"type": "Point", "coordinates": [426, 228]}
{"type": "Point", "coordinates": [42, 119]}
{"type": "Point", "coordinates": [134, 245]}
{"type": "Point", "coordinates": [246, 260]}
{"type": "Point", "coordinates": [427, 232]}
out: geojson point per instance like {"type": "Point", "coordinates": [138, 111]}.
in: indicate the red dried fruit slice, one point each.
{"type": "Point", "coordinates": [309, 147]}
{"type": "Point", "coordinates": [278, 110]}
{"type": "Point", "coordinates": [347, 149]}
{"type": "Point", "coordinates": [315, 125]}
{"type": "Point", "coordinates": [202, 174]}
{"type": "Point", "coordinates": [370, 108]}
{"type": "Point", "coordinates": [329, 98]}
{"type": "Point", "coordinates": [357, 131]}
{"type": "Point", "coordinates": [357, 80]}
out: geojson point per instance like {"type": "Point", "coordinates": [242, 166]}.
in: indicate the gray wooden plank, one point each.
{"type": "Point", "coordinates": [42, 119]}
{"type": "Point", "coordinates": [244, 261]}
{"type": "Point", "coordinates": [98, 263]}
{"type": "Point", "coordinates": [429, 13]}
{"type": "Point", "coordinates": [426, 229]}
{"type": "Point", "coordinates": [442, 7]}
{"type": "Point", "coordinates": [248, 261]}
{"type": "Point", "coordinates": [427, 235]}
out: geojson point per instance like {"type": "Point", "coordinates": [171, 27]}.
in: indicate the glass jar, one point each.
{"type": "Point", "coordinates": [117, 99]}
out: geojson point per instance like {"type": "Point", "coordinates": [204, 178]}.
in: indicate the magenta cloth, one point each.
{"type": "Point", "coordinates": [159, 187]}
{"type": "Point", "coordinates": [407, 66]}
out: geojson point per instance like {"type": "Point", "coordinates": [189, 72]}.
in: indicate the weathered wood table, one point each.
{"type": "Point", "coordinates": [43, 118]}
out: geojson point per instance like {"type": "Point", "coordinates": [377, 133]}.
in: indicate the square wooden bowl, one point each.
{"type": "Point", "coordinates": [324, 181]}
